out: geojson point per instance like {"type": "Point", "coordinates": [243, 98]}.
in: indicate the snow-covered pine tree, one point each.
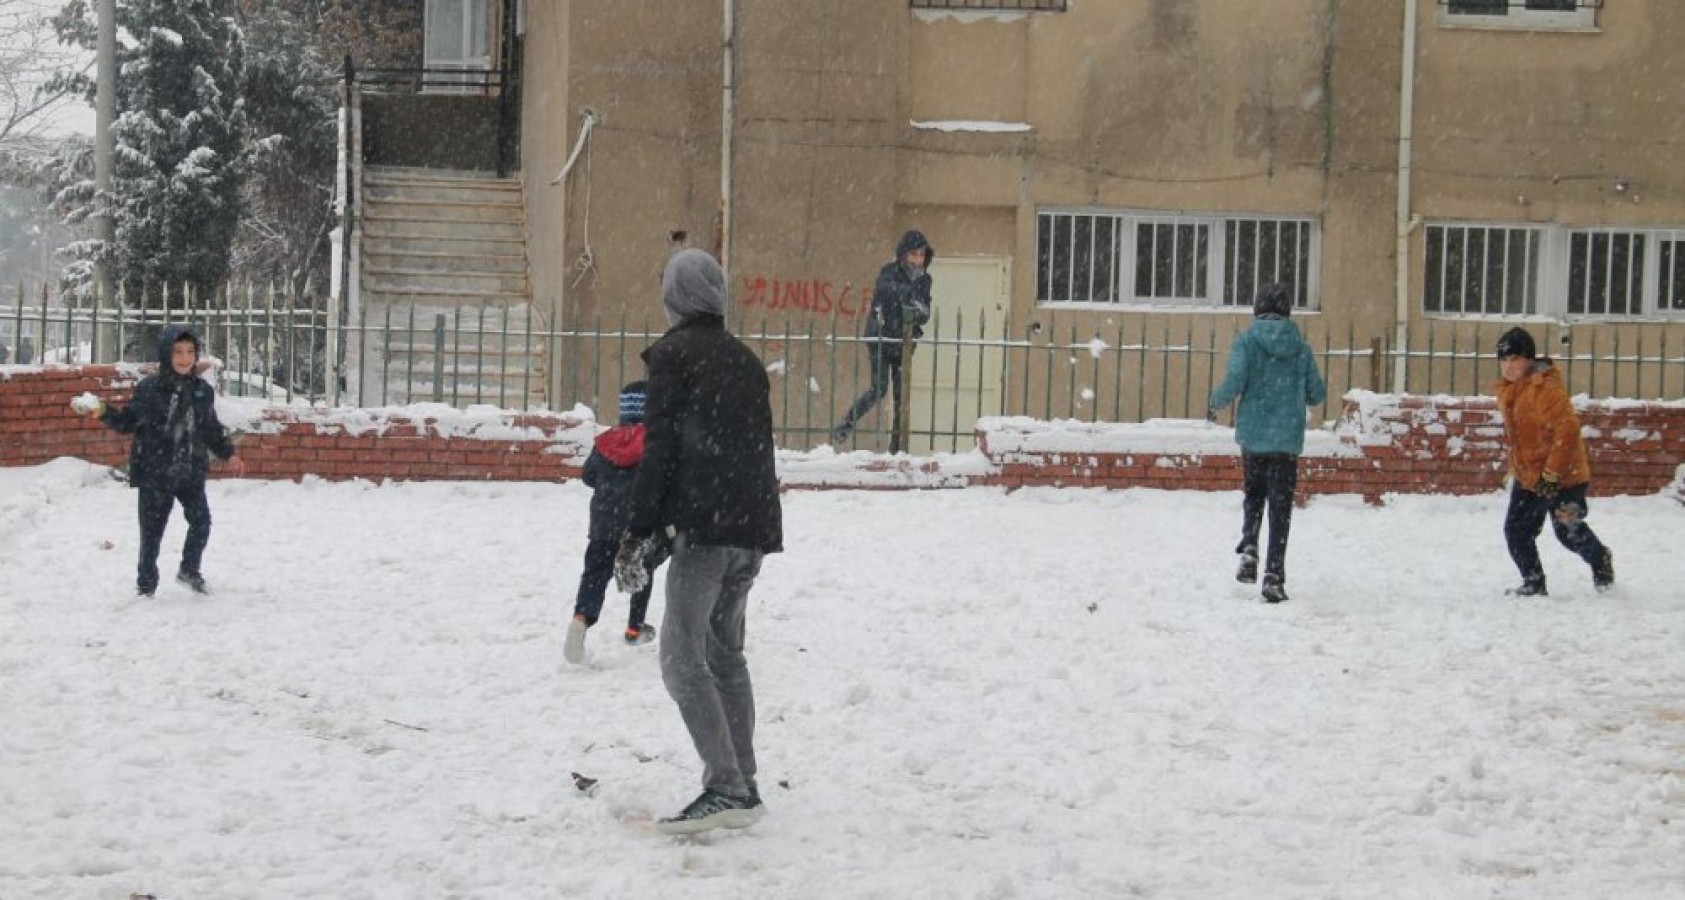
{"type": "Point", "coordinates": [180, 134]}
{"type": "Point", "coordinates": [292, 106]}
{"type": "Point", "coordinates": [180, 163]}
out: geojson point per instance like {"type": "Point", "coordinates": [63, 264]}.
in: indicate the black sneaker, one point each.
{"type": "Point", "coordinates": [1603, 573]}
{"type": "Point", "coordinates": [712, 810]}
{"type": "Point", "coordinates": [641, 634]}
{"type": "Point", "coordinates": [193, 581]}
{"type": "Point", "coordinates": [1274, 591]}
{"type": "Point", "coordinates": [1248, 572]}
{"type": "Point", "coordinates": [144, 592]}
{"type": "Point", "coordinates": [1530, 587]}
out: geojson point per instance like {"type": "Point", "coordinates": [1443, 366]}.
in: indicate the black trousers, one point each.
{"type": "Point", "coordinates": [1567, 513]}
{"type": "Point", "coordinates": [599, 571]}
{"type": "Point", "coordinates": [1271, 479]}
{"type": "Point", "coordinates": [155, 506]}
{"type": "Point", "coordinates": [886, 378]}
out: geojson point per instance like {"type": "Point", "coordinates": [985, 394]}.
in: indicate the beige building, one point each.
{"type": "Point", "coordinates": [1107, 181]}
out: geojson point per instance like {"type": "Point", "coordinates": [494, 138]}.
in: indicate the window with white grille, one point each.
{"type": "Point", "coordinates": [1194, 261]}
{"type": "Point", "coordinates": [1605, 273]}
{"type": "Point", "coordinates": [1480, 270]}
{"type": "Point", "coordinates": [1521, 13]}
{"type": "Point", "coordinates": [1493, 270]}
{"type": "Point", "coordinates": [1670, 281]}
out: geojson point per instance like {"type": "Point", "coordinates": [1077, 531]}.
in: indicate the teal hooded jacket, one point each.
{"type": "Point", "coordinates": [1272, 371]}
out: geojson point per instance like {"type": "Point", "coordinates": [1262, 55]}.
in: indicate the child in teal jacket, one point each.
{"type": "Point", "coordinates": [1273, 373]}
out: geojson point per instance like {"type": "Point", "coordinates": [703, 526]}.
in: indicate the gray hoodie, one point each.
{"type": "Point", "coordinates": [692, 285]}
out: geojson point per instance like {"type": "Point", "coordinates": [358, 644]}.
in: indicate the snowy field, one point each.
{"type": "Point", "coordinates": [962, 694]}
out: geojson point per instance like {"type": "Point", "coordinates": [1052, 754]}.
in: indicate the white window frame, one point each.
{"type": "Point", "coordinates": [1551, 274]}
{"type": "Point", "coordinates": [1582, 18]}
{"type": "Point", "coordinates": [468, 31]}
{"type": "Point", "coordinates": [1208, 292]}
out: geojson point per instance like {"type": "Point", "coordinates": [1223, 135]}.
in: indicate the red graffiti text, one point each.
{"type": "Point", "coordinates": [813, 295]}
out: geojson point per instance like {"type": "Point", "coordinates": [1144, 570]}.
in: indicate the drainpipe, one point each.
{"type": "Point", "coordinates": [1401, 255]}
{"type": "Point", "coordinates": [105, 115]}
{"type": "Point", "coordinates": [728, 90]}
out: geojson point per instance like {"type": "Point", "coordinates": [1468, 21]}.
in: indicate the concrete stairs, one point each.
{"type": "Point", "coordinates": [447, 308]}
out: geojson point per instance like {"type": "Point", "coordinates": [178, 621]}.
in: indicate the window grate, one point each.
{"type": "Point", "coordinates": [1605, 273]}
{"type": "Point", "coordinates": [1502, 7]}
{"type": "Point", "coordinates": [1181, 260]}
{"type": "Point", "coordinates": [1473, 270]}
{"type": "Point", "coordinates": [1670, 287]}
{"type": "Point", "coordinates": [994, 5]}
{"type": "Point", "coordinates": [1600, 273]}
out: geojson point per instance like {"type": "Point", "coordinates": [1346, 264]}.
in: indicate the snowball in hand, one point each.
{"type": "Point", "coordinates": [85, 404]}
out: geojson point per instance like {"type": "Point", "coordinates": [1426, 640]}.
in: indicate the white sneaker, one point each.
{"type": "Point", "coordinates": [573, 649]}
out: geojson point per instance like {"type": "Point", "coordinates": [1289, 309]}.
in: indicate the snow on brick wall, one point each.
{"type": "Point", "coordinates": [425, 441]}
{"type": "Point", "coordinates": [1381, 444]}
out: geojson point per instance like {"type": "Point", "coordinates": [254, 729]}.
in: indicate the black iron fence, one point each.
{"type": "Point", "coordinates": [292, 350]}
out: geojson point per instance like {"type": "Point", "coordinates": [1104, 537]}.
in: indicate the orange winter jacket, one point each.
{"type": "Point", "coordinates": [1542, 427]}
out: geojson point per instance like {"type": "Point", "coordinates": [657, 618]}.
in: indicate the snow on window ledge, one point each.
{"type": "Point", "coordinates": [969, 16]}
{"type": "Point", "coordinates": [967, 125]}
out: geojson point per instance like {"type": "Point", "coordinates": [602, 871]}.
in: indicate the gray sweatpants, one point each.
{"type": "Point", "coordinates": [702, 660]}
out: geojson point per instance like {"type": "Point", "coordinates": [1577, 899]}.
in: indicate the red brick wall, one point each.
{"type": "Point", "coordinates": [1390, 444]}
{"type": "Point", "coordinates": [36, 425]}
{"type": "Point", "coordinates": [1384, 444]}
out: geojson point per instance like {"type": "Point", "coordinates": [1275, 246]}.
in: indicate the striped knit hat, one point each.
{"type": "Point", "coordinates": [632, 403]}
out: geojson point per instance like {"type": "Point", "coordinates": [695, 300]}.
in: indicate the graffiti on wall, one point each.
{"type": "Point", "coordinates": [811, 294]}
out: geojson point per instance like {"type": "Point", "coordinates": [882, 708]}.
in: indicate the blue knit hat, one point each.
{"type": "Point", "coordinates": [632, 403]}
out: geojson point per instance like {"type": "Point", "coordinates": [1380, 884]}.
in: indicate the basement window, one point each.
{"type": "Point", "coordinates": [1521, 14]}
{"type": "Point", "coordinates": [1531, 270]}
{"type": "Point", "coordinates": [992, 5]}
{"type": "Point", "coordinates": [1191, 261]}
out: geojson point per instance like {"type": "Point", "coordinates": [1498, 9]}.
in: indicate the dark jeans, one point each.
{"type": "Point", "coordinates": [1567, 513]}
{"type": "Point", "coordinates": [599, 570]}
{"type": "Point", "coordinates": [155, 507]}
{"type": "Point", "coordinates": [886, 378]}
{"type": "Point", "coordinates": [1271, 479]}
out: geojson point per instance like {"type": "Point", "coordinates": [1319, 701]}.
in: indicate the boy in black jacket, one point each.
{"type": "Point", "coordinates": [609, 472]}
{"type": "Point", "coordinates": [173, 419]}
{"type": "Point", "coordinates": [900, 303]}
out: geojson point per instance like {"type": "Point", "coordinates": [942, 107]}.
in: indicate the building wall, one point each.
{"type": "Point", "coordinates": [1539, 127]}
{"type": "Point", "coordinates": [1207, 106]}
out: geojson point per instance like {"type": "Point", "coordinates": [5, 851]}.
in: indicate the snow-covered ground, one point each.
{"type": "Point", "coordinates": [962, 694]}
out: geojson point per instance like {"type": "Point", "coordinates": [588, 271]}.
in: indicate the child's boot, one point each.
{"type": "Point", "coordinates": [1248, 571]}
{"type": "Point", "coordinates": [1274, 590]}
{"type": "Point", "coordinates": [1603, 572]}
{"type": "Point", "coordinates": [640, 634]}
{"type": "Point", "coordinates": [573, 649]}
{"type": "Point", "coordinates": [193, 581]}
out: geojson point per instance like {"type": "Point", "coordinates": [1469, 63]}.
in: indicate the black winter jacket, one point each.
{"type": "Point", "coordinates": [609, 472]}
{"type": "Point", "coordinates": [900, 297]}
{"type": "Point", "coordinates": [708, 466]}
{"type": "Point", "coordinates": [173, 419]}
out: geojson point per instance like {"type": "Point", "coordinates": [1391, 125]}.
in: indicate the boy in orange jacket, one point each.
{"type": "Point", "coordinates": [1548, 467]}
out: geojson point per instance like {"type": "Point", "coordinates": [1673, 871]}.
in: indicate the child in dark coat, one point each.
{"type": "Point", "coordinates": [609, 472]}
{"type": "Point", "coordinates": [173, 419]}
